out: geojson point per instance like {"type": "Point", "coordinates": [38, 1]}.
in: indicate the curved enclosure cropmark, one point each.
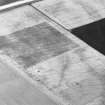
{"type": "Point", "coordinates": [35, 44]}
{"type": "Point", "coordinates": [93, 34]}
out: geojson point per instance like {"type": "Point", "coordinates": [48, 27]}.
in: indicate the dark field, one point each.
{"type": "Point", "coordinates": [35, 44]}
{"type": "Point", "coordinates": [93, 34]}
